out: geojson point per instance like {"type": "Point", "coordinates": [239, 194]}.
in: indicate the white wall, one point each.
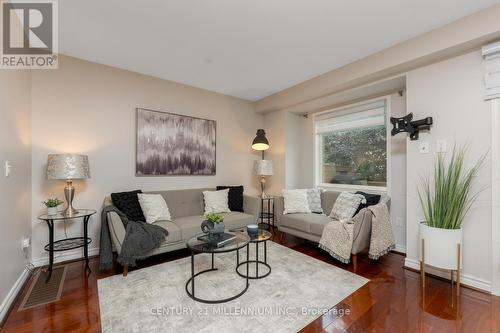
{"type": "Point", "coordinates": [274, 125]}
{"type": "Point", "coordinates": [452, 93]}
{"type": "Point", "coordinates": [88, 108]}
{"type": "Point", "coordinates": [15, 191]}
{"type": "Point", "coordinates": [397, 189]}
{"type": "Point", "coordinates": [293, 138]}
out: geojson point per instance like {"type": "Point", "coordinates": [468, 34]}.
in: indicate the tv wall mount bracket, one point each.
{"type": "Point", "coordinates": [406, 124]}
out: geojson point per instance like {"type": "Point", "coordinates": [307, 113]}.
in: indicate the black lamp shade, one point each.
{"type": "Point", "coordinates": [260, 142]}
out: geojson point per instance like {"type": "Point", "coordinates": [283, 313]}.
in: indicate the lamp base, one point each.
{"type": "Point", "coordinates": [263, 194]}
{"type": "Point", "coordinates": [70, 211]}
{"type": "Point", "coordinates": [69, 194]}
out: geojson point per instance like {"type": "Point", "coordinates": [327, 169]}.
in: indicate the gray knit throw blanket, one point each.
{"type": "Point", "coordinates": [140, 239]}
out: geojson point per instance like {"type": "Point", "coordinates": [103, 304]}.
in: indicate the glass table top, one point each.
{"type": "Point", "coordinates": [61, 216]}
{"type": "Point", "coordinates": [262, 236]}
{"type": "Point", "coordinates": [197, 245]}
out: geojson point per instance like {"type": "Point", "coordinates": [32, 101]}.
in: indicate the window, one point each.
{"type": "Point", "coordinates": [351, 146]}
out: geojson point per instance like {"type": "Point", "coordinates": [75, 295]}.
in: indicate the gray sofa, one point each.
{"type": "Point", "coordinates": [310, 226]}
{"type": "Point", "coordinates": [186, 208]}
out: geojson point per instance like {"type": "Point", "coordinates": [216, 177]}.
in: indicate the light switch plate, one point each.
{"type": "Point", "coordinates": [441, 146]}
{"type": "Point", "coordinates": [8, 167]}
{"type": "Point", "coordinates": [424, 147]}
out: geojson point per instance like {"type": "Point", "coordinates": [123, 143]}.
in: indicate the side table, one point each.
{"type": "Point", "coordinates": [267, 212]}
{"type": "Point", "coordinates": [67, 243]}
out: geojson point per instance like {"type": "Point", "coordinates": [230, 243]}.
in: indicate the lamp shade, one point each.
{"type": "Point", "coordinates": [260, 142]}
{"type": "Point", "coordinates": [263, 168]}
{"type": "Point", "coordinates": [67, 166]}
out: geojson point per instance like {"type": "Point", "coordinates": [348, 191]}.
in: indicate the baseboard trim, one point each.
{"type": "Point", "coordinates": [467, 280]}
{"type": "Point", "coordinates": [64, 256]}
{"type": "Point", "coordinates": [400, 248]}
{"type": "Point", "coordinates": [13, 294]}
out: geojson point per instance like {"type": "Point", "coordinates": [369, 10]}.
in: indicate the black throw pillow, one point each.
{"type": "Point", "coordinates": [235, 197]}
{"type": "Point", "coordinates": [371, 199]}
{"type": "Point", "coordinates": [128, 204]}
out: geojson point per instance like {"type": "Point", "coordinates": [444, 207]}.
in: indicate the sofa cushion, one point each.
{"type": "Point", "coordinates": [235, 198]}
{"type": "Point", "coordinates": [295, 201]}
{"type": "Point", "coordinates": [346, 205]}
{"type": "Point", "coordinates": [216, 201]}
{"type": "Point", "coordinates": [314, 200]}
{"type": "Point", "coordinates": [174, 232]}
{"type": "Point", "coordinates": [310, 223]}
{"type": "Point", "coordinates": [183, 203]}
{"type": "Point", "coordinates": [154, 207]}
{"type": "Point", "coordinates": [234, 220]}
{"type": "Point", "coordinates": [296, 221]}
{"type": "Point", "coordinates": [128, 204]}
{"type": "Point", "coordinates": [190, 225]}
{"type": "Point", "coordinates": [318, 223]}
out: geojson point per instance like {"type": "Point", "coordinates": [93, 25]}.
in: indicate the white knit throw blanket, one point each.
{"type": "Point", "coordinates": [337, 236]}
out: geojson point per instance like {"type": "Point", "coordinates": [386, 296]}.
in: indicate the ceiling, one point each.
{"type": "Point", "coordinates": [245, 48]}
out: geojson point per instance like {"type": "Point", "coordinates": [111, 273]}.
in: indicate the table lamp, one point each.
{"type": "Point", "coordinates": [263, 168]}
{"type": "Point", "coordinates": [68, 167]}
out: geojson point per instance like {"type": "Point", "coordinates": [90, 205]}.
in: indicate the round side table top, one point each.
{"type": "Point", "coordinates": [61, 216]}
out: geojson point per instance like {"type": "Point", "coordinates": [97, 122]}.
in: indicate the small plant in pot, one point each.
{"type": "Point", "coordinates": [52, 204]}
{"type": "Point", "coordinates": [445, 200]}
{"type": "Point", "coordinates": [214, 224]}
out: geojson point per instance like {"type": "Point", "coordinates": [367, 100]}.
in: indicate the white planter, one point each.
{"type": "Point", "coordinates": [52, 211]}
{"type": "Point", "coordinates": [441, 246]}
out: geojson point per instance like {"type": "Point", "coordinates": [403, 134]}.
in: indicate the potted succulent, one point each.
{"type": "Point", "coordinates": [52, 204]}
{"type": "Point", "coordinates": [214, 224]}
{"type": "Point", "coordinates": [445, 202]}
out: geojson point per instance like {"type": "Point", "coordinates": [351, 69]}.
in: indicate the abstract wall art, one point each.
{"type": "Point", "coordinates": [174, 145]}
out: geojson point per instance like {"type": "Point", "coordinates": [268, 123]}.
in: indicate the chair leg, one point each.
{"type": "Point", "coordinates": [355, 262]}
{"type": "Point", "coordinates": [125, 270]}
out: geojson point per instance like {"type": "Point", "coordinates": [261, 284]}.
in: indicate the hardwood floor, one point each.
{"type": "Point", "coordinates": [391, 302]}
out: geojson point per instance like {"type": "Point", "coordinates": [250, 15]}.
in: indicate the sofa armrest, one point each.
{"type": "Point", "coordinates": [363, 227]}
{"type": "Point", "coordinates": [116, 230]}
{"type": "Point", "coordinates": [251, 205]}
{"type": "Point", "coordinates": [279, 207]}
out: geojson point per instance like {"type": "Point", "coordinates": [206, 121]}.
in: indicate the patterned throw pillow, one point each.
{"type": "Point", "coordinates": [346, 205]}
{"type": "Point", "coordinates": [154, 207]}
{"type": "Point", "coordinates": [295, 201]}
{"type": "Point", "coordinates": [216, 201]}
{"type": "Point", "coordinates": [314, 200]}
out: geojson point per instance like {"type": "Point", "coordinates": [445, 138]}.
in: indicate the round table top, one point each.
{"type": "Point", "coordinates": [201, 246]}
{"type": "Point", "coordinates": [62, 216]}
{"type": "Point", "coordinates": [262, 236]}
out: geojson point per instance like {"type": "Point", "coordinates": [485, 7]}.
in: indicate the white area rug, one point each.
{"type": "Point", "coordinates": [154, 299]}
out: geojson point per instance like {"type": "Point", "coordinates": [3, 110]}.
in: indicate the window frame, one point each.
{"type": "Point", "coordinates": [318, 151]}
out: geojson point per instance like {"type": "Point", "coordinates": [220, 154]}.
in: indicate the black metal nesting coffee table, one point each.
{"type": "Point", "coordinates": [197, 246]}
{"type": "Point", "coordinates": [262, 237]}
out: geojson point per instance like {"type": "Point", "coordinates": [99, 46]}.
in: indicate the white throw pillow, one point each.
{"type": "Point", "coordinates": [314, 200]}
{"type": "Point", "coordinates": [346, 205]}
{"type": "Point", "coordinates": [295, 201]}
{"type": "Point", "coordinates": [216, 201]}
{"type": "Point", "coordinates": [154, 207]}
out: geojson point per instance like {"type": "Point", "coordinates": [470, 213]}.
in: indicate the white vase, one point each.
{"type": "Point", "coordinates": [441, 246]}
{"type": "Point", "coordinates": [52, 211]}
